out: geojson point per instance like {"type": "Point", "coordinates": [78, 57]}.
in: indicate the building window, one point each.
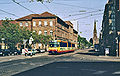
{"type": "Point", "coordinates": [39, 32]}
{"type": "Point", "coordinates": [51, 23]}
{"type": "Point", "coordinates": [21, 24]}
{"type": "Point", "coordinates": [26, 24]}
{"type": "Point", "coordinates": [45, 33]}
{"type": "Point", "coordinates": [34, 23]}
{"type": "Point", "coordinates": [33, 31]}
{"type": "Point", "coordinates": [51, 33]}
{"type": "Point", "coordinates": [40, 23]}
{"type": "Point", "coordinates": [45, 23]}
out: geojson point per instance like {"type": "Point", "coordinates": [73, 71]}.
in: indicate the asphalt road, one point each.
{"type": "Point", "coordinates": [75, 69]}
{"type": "Point", "coordinates": [78, 63]}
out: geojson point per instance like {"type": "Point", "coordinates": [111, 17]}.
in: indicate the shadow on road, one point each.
{"type": "Point", "coordinates": [74, 69]}
{"type": "Point", "coordinates": [91, 50]}
{"type": "Point", "coordinates": [93, 54]}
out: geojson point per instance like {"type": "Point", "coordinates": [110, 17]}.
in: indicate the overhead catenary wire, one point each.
{"type": "Point", "coordinates": [9, 13]}
{"type": "Point", "coordinates": [73, 5]}
{"type": "Point", "coordinates": [23, 6]}
{"type": "Point", "coordinates": [12, 2]}
{"type": "Point", "coordinates": [88, 16]}
{"type": "Point", "coordinates": [47, 7]}
{"type": "Point", "coordinates": [84, 13]}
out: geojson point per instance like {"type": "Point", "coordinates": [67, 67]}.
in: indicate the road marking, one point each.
{"type": "Point", "coordinates": [99, 72]}
{"type": "Point", "coordinates": [118, 72]}
{"type": "Point", "coordinates": [23, 63]}
{"type": "Point", "coordinates": [32, 64]}
{"type": "Point", "coordinates": [88, 69]}
{"type": "Point", "coordinates": [10, 59]}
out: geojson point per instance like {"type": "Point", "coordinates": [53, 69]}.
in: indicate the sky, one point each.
{"type": "Point", "coordinates": [83, 11]}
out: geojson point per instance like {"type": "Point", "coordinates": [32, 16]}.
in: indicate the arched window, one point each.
{"type": "Point", "coordinates": [51, 32]}
{"type": "Point", "coordinates": [34, 23]}
{"type": "Point", "coordinates": [40, 23]}
{"type": "Point", "coordinates": [51, 23]}
{"type": "Point", "coordinates": [21, 24]}
{"type": "Point", "coordinates": [26, 24]}
{"type": "Point", "coordinates": [39, 32]}
{"type": "Point", "coordinates": [45, 23]}
{"type": "Point", "coordinates": [45, 33]}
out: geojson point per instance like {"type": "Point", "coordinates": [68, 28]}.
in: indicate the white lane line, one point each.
{"type": "Point", "coordinates": [32, 64]}
{"type": "Point", "coordinates": [99, 72]}
{"type": "Point", "coordinates": [23, 63]}
{"type": "Point", "coordinates": [118, 72]}
{"type": "Point", "coordinates": [87, 69]}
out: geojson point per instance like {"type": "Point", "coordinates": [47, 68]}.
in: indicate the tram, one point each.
{"type": "Point", "coordinates": [59, 46]}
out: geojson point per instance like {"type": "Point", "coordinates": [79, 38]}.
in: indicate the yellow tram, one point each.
{"type": "Point", "coordinates": [59, 46]}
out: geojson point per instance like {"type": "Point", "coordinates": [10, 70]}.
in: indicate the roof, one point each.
{"type": "Point", "coordinates": [47, 14]}
{"type": "Point", "coordinates": [74, 31]}
{"type": "Point", "coordinates": [29, 17]}
{"type": "Point", "coordinates": [69, 23]}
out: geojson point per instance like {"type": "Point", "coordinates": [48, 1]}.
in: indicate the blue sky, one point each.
{"type": "Point", "coordinates": [65, 9]}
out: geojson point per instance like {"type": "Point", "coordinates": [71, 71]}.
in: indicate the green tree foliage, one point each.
{"type": "Point", "coordinates": [83, 42]}
{"type": "Point", "coordinates": [44, 40]}
{"type": "Point", "coordinates": [91, 40]}
{"type": "Point", "coordinates": [12, 33]}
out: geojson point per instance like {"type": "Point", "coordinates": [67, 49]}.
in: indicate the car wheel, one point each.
{"type": "Point", "coordinates": [3, 54]}
{"type": "Point", "coordinates": [8, 54]}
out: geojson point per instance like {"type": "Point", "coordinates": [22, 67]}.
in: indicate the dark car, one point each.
{"type": "Point", "coordinates": [40, 50]}
{"type": "Point", "coordinates": [18, 52]}
{"type": "Point", "coordinates": [1, 53]}
{"type": "Point", "coordinates": [15, 51]}
{"type": "Point", "coordinates": [5, 52]}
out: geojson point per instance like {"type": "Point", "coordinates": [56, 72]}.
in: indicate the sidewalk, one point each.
{"type": "Point", "coordinates": [100, 57]}
{"type": "Point", "coordinates": [17, 57]}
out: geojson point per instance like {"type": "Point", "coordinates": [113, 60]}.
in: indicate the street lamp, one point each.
{"type": "Point", "coordinates": [3, 43]}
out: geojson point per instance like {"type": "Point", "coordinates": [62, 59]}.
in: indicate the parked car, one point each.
{"type": "Point", "coordinates": [1, 53]}
{"type": "Point", "coordinates": [40, 50]}
{"type": "Point", "coordinates": [15, 51]}
{"type": "Point", "coordinates": [29, 52]}
{"type": "Point", "coordinates": [5, 52]}
{"type": "Point", "coordinates": [18, 52]}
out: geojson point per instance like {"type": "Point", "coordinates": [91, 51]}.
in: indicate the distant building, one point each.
{"type": "Point", "coordinates": [95, 38]}
{"type": "Point", "coordinates": [109, 36]}
{"type": "Point", "coordinates": [49, 24]}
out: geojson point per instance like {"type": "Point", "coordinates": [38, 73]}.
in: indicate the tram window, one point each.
{"type": "Point", "coordinates": [63, 44]}
{"type": "Point", "coordinates": [69, 44]}
{"type": "Point", "coordinates": [54, 45]}
{"type": "Point", "coordinates": [73, 45]}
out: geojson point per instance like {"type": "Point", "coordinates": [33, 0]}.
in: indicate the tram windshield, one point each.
{"type": "Point", "coordinates": [54, 44]}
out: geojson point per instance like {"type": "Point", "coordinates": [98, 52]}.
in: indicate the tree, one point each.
{"type": "Point", "coordinates": [44, 40]}
{"type": "Point", "coordinates": [13, 33]}
{"type": "Point", "coordinates": [83, 42]}
{"type": "Point", "coordinates": [91, 40]}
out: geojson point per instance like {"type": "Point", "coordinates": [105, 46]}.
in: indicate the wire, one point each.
{"type": "Point", "coordinates": [88, 16]}
{"type": "Point", "coordinates": [8, 13]}
{"type": "Point", "coordinates": [12, 2]}
{"type": "Point", "coordinates": [84, 13]}
{"type": "Point", "coordinates": [22, 6]}
{"type": "Point", "coordinates": [73, 5]}
{"type": "Point", "coordinates": [47, 7]}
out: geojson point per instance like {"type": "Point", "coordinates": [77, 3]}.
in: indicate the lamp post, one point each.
{"type": "Point", "coordinates": [3, 43]}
